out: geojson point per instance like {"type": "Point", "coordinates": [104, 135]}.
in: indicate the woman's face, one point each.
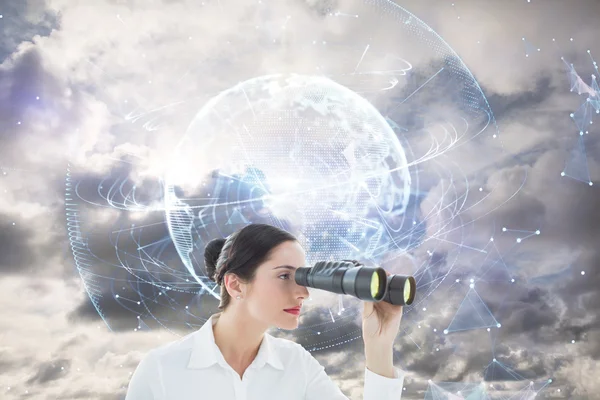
{"type": "Point", "coordinates": [274, 289]}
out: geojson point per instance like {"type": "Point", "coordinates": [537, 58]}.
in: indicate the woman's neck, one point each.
{"type": "Point", "coordinates": [239, 337]}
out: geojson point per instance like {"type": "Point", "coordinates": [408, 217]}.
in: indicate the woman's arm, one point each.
{"type": "Point", "coordinates": [381, 324]}
{"type": "Point", "coordinates": [380, 359]}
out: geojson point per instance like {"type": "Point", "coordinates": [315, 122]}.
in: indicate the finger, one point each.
{"type": "Point", "coordinates": [368, 308]}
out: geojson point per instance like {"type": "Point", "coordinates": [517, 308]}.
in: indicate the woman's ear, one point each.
{"type": "Point", "coordinates": [233, 285]}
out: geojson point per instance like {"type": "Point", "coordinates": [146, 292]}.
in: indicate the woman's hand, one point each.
{"type": "Point", "coordinates": [381, 322]}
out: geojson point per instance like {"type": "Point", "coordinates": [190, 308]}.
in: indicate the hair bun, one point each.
{"type": "Point", "coordinates": [211, 256]}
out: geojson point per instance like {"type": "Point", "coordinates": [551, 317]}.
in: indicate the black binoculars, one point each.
{"type": "Point", "coordinates": [354, 279]}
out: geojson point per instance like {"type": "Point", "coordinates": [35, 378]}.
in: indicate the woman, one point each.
{"type": "Point", "coordinates": [232, 356]}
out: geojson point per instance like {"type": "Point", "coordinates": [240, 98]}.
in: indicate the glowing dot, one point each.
{"type": "Point", "coordinates": [582, 272]}
{"type": "Point", "coordinates": [571, 39]}
{"type": "Point", "coordinates": [318, 333]}
{"type": "Point", "coordinates": [37, 97]}
{"type": "Point", "coordinates": [458, 280]}
{"type": "Point", "coordinates": [572, 341]}
{"type": "Point", "coordinates": [472, 285]}
{"type": "Point", "coordinates": [503, 229]}
{"type": "Point", "coordinates": [562, 174]}
{"type": "Point", "coordinates": [472, 280]}
{"type": "Point", "coordinates": [581, 133]}
{"type": "Point", "coordinates": [19, 123]}
{"type": "Point", "coordinates": [117, 296]}
{"type": "Point", "coordinates": [437, 349]}
{"type": "Point", "coordinates": [549, 380]}
{"type": "Point", "coordinates": [498, 325]}
{"type": "Point", "coordinates": [488, 329]}
{"type": "Point", "coordinates": [186, 307]}
{"type": "Point", "coordinates": [518, 240]}
{"type": "Point", "coordinates": [445, 331]}
{"type": "Point", "coordinates": [139, 303]}
{"type": "Point", "coordinates": [591, 183]}
{"type": "Point", "coordinates": [513, 280]}
{"type": "Point", "coordinates": [434, 329]}
{"type": "Point", "coordinates": [419, 326]}
{"type": "Point", "coordinates": [481, 189]}
{"type": "Point", "coordinates": [537, 232]}
{"type": "Point", "coordinates": [14, 223]}
{"type": "Point", "coordinates": [491, 239]}
{"type": "Point", "coordinates": [494, 360]}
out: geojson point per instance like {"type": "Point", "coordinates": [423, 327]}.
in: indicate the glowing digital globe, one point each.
{"type": "Point", "coordinates": [300, 152]}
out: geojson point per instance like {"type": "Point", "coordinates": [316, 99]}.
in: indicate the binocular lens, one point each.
{"type": "Point", "coordinates": [375, 289]}
{"type": "Point", "coordinates": [408, 291]}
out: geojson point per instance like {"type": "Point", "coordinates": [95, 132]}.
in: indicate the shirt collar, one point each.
{"type": "Point", "coordinates": [206, 353]}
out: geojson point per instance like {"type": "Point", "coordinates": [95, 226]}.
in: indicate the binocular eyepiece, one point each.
{"type": "Point", "coordinates": [354, 279]}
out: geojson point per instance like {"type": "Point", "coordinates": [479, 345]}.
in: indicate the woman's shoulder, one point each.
{"type": "Point", "coordinates": [173, 348]}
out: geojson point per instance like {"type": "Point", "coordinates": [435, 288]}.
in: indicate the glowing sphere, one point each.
{"type": "Point", "coordinates": [300, 152]}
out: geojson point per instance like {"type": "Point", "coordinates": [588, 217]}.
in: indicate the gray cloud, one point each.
{"type": "Point", "coordinates": [22, 21]}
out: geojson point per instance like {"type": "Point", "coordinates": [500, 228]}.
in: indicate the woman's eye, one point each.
{"type": "Point", "coordinates": [285, 276]}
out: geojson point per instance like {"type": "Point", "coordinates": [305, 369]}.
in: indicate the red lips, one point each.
{"type": "Point", "coordinates": [293, 309]}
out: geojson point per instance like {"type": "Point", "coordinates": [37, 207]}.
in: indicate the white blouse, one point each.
{"type": "Point", "coordinates": [194, 368]}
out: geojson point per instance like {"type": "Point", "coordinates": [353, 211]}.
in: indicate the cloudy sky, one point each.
{"type": "Point", "coordinates": [101, 92]}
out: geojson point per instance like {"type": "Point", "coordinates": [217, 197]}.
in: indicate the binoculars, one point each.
{"type": "Point", "coordinates": [354, 279]}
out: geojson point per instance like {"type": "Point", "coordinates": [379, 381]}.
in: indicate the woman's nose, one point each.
{"type": "Point", "coordinates": [304, 291]}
